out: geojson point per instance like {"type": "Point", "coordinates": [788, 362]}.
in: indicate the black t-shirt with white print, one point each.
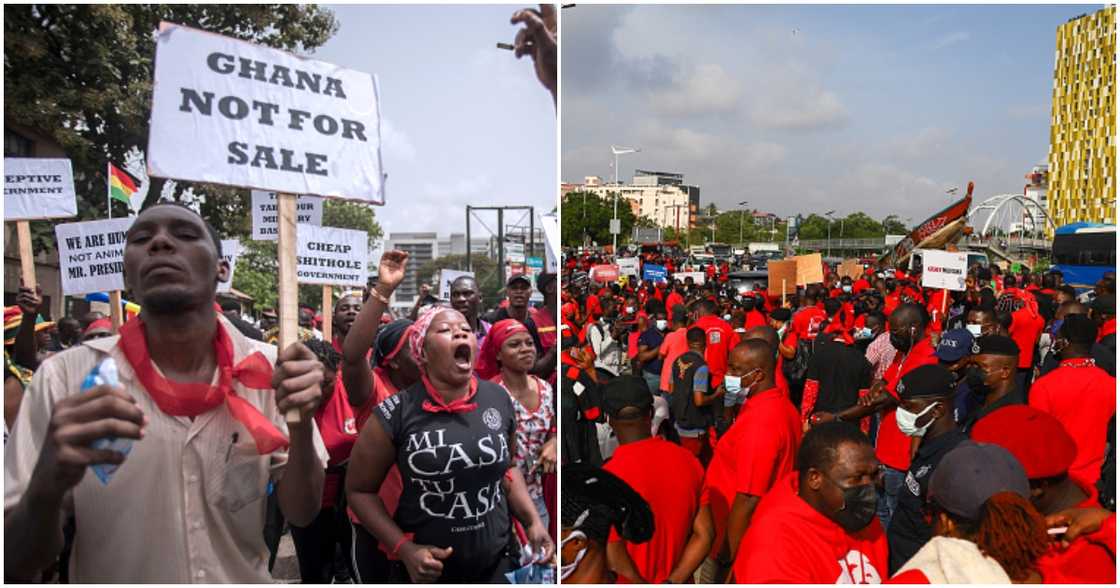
{"type": "Point", "coordinates": [452, 466]}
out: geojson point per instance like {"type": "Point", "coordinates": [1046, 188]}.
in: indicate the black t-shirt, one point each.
{"type": "Point", "coordinates": [1016, 396]}
{"type": "Point", "coordinates": [908, 531]}
{"type": "Point", "coordinates": [842, 371]}
{"type": "Point", "coordinates": [652, 338]}
{"type": "Point", "coordinates": [452, 466]}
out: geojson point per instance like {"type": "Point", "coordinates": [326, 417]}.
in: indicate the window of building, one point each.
{"type": "Point", "coordinates": [16, 145]}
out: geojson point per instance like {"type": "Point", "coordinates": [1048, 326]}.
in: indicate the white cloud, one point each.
{"type": "Point", "coordinates": [396, 143]}
{"type": "Point", "coordinates": [692, 146]}
{"type": "Point", "coordinates": [950, 39]}
{"type": "Point", "coordinates": [708, 89]}
{"type": "Point", "coordinates": [926, 143]}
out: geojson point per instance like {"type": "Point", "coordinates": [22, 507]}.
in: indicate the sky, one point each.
{"type": "Point", "coordinates": [464, 122]}
{"type": "Point", "coordinates": [802, 109]}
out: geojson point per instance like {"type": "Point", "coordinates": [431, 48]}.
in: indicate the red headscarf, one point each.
{"type": "Point", "coordinates": [487, 365]}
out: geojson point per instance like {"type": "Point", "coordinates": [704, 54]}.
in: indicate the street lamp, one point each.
{"type": "Point", "coordinates": [829, 215]}
{"type": "Point", "coordinates": [741, 211]}
{"type": "Point", "coordinates": [616, 151]}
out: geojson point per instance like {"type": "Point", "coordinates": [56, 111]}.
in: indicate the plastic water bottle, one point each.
{"type": "Point", "coordinates": [105, 373]}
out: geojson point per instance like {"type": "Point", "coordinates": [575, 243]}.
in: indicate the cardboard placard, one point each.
{"type": "Point", "coordinates": [655, 273]}
{"type": "Point", "coordinates": [38, 188]}
{"type": "Point", "coordinates": [330, 256]}
{"type": "Point", "coordinates": [91, 255]}
{"type": "Point", "coordinates": [779, 270]}
{"type": "Point", "coordinates": [698, 278]}
{"type": "Point", "coordinates": [627, 266]}
{"type": "Point", "coordinates": [850, 268]}
{"type": "Point", "coordinates": [309, 211]}
{"type": "Point", "coordinates": [944, 269]}
{"type": "Point", "coordinates": [229, 112]}
{"type": "Point", "coordinates": [231, 250]}
{"type": "Point", "coordinates": [809, 270]}
{"type": "Point", "coordinates": [446, 277]}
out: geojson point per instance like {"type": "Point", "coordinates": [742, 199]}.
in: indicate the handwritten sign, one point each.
{"type": "Point", "coordinates": [91, 255]}
{"type": "Point", "coordinates": [226, 111]}
{"type": "Point", "coordinates": [330, 256]}
{"type": "Point", "coordinates": [38, 188]}
{"type": "Point", "coordinates": [309, 211]}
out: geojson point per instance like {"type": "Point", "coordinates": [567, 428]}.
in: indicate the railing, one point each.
{"type": "Point", "coordinates": [875, 243]}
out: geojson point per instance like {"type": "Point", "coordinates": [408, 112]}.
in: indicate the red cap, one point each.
{"type": "Point", "coordinates": [1035, 438]}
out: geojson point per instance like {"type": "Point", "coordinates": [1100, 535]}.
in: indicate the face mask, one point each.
{"type": "Point", "coordinates": [732, 384]}
{"type": "Point", "coordinates": [726, 317]}
{"type": "Point", "coordinates": [568, 569]}
{"type": "Point", "coordinates": [662, 324]}
{"type": "Point", "coordinates": [974, 377]}
{"type": "Point", "coordinates": [901, 343]}
{"type": "Point", "coordinates": [864, 333]}
{"type": "Point", "coordinates": [781, 332]}
{"type": "Point", "coordinates": [859, 506]}
{"type": "Point", "coordinates": [846, 288]}
{"type": "Point", "coordinates": [974, 329]}
{"type": "Point", "coordinates": [629, 310]}
{"type": "Point", "coordinates": [907, 421]}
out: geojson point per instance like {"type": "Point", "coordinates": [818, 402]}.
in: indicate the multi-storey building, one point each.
{"type": "Point", "coordinates": [661, 197]}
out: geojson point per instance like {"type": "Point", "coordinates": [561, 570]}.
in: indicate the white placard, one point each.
{"type": "Point", "coordinates": [91, 255]}
{"type": "Point", "coordinates": [515, 252]}
{"type": "Point", "coordinates": [628, 266]}
{"type": "Point", "coordinates": [229, 112]}
{"type": "Point", "coordinates": [330, 256]}
{"type": "Point", "coordinates": [309, 211]}
{"type": "Point", "coordinates": [550, 225]}
{"type": "Point", "coordinates": [446, 277]}
{"type": "Point", "coordinates": [944, 269]}
{"type": "Point", "coordinates": [231, 250]}
{"type": "Point", "coordinates": [38, 188]}
{"type": "Point", "coordinates": [698, 278]}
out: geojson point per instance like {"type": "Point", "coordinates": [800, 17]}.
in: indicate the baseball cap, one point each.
{"type": "Point", "coordinates": [544, 280]}
{"type": "Point", "coordinates": [995, 345]}
{"type": "Point", "coordinates": [517, 278]}
{"type": "Point", "coordinates": [972, 473]}
{"type": "Point", "coordinates": [955, 345]}
{"type": "Point", "coordinates": [926, 380]}
{"type": "Point", "coordinates": [781, 314]}
{"type": "Point", "coordinates": [625, 392]}
{"type": "Point", "coordinates": [1035, 438]}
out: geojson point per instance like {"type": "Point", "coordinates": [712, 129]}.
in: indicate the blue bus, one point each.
{"type": "Point", "coordinates": [1083, 252]}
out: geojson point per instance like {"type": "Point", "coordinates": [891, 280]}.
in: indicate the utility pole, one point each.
{"type": "Point", "coordinates": [741, 210]}
{"type": "Point", "coordinates": [501, 236]}
{"type": "Point", "coordinates": [616, 151]}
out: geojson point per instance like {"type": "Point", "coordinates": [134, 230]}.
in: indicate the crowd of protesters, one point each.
{"type": "Point", "coordinates": [862, 429]}
{"type": "Point", "coordinates": [452, 479]}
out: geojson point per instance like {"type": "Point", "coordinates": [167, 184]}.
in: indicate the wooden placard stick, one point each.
{"type": "Point", "coordinates": [289, 289]}
{"type": "Point", "coordinates": [328, 310]}
{"type": "Point", "coordinates": [26, 257]}
{"type": "Point", "coordinates": [116, 313]}
{"type": "Point", "coordinates": [783, 292]}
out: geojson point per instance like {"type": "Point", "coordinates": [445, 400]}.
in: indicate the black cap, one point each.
{"type": "Point", "coordinates": [544, 280]}
{"type": "Point", "coordinates": [625, 392]}
{"type": "Point", "coordinates": [926, 380]}
{"type": "Point", "coordinates": [995, 345]}
{"type": "Point", "coordinates": [972, 473]}
{"type": "Point", "coordinates": [593, 500]}
{"type": "Point", "coordinates": [519, 277]}
{"type": "Point", "coordinates": [1105, 304]}
{"type": "Point", "coordinates": [781, 314]}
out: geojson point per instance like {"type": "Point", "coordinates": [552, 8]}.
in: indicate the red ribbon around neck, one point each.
{"type": "Point", "coordinates": [191, 399]}
{"type": "Point", "coordinates": [1077, 362]}
{"type": "Point", "coordinates": [435, 403]}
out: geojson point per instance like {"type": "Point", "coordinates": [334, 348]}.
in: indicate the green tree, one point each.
{"type": "Point", "coordinates": [82, 74]}
{"type": "Point", "coordinates": [860, 226]}
{"type": "Point", "coordinates": [352, 215]}
{"type": "Point", "coordinates": [892, 225]}
{"type": "Point", "coordinates": [586, 214]}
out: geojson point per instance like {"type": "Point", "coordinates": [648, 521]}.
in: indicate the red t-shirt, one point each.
{"type": "Point", "coordinates": [673, 346]}
{"type": "Point", "coordinates": [860, 285]}
{"type": "Point", "coordinates": [1083, 399]}
{"type": "Point", "coordinates": [672, 300]}
{"type": "Point", "coordinates": [758, 449]}
{"type": "Point", "coordinates": [1026, 326]}
{"type": "Point", "coordinates": [1090, 559]}
{"type": "Point", "coordinates": [754, 319]}
{"type": "Point", "coordinates": [546, 327]}
{"type": "Point", "coordinates": [892, 447]}
{"type": "Point", "coordinates": [669, 478]}
{"type": "Point", "coordinates": [1108, 328]}
{"type": "Point", "coordinates": [807, 322]}
{"type": "Point", "coordinates": [720, 338]}
{"type": "Point", "coordinates": [392, 485]}
{"type": "Point", "coordinates": [788, 541]}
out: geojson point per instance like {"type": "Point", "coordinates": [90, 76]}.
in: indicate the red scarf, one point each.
{"type": "Point", "coordinates": [1109, 328]}
{"type": "Point", "coordinates": [191, 399]}
{"type": "Point", "coordinates": [435, 403]}
{"type": "Point", "coordinates": [1077, 362]}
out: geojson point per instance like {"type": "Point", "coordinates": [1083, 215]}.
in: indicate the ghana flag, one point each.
{"type": "Point", "coordinates": [121, 185]}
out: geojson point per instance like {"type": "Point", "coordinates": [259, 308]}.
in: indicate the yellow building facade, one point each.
{"type": "Point", "coordinates": [1082, 182]}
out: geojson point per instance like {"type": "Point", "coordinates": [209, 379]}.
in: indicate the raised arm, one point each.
{"type": "Point", "coordinates": [356, 374]}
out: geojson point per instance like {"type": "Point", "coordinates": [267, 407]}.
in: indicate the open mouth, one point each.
{"type": "Point", "coordinates": [462, 357]}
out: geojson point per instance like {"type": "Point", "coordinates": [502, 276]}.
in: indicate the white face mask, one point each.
{"type": "Point", "coordinates": [568, 569]}
{"type": "Point", "coordinates": [846, 288]}
{"type": "Point", "coordinates": [974, 329]}
{"type": "Point", "coordinates": [732, 384]}
{"type": "Point", "coordinates": [662, 324]}
{"type": "Point", "coordinates": [907, 421]}
{"type": "Point", "coordinates": [726, 317]}
{"type": "Point", "coordinates": [864, 333]}
{"type": "Point", "coordinates": [629, 310]}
